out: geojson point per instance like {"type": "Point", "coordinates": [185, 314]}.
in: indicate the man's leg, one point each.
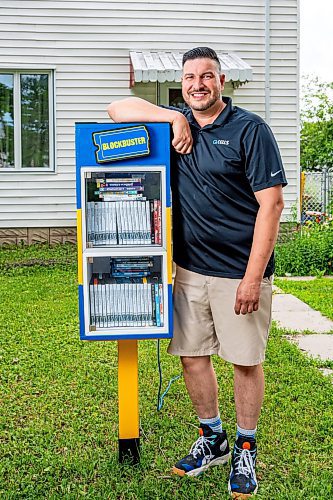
{"type": "Point", "coordinates": [212, 447]}
{"type": "Point", "coordinates": [249, 386]}
{"type": "Point", "coordinates": [243, 340]}
{"type": "Point", "coordinates": [201, 384]}
{"type": "Point", "coordinates": [195, 341]}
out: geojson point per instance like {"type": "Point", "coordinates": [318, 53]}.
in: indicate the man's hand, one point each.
{"type": "Point", "coordinates": [134, 109]}
{"type": "Point", "coordinates": [182, 140]}
{"type": "Point", "coordinates": [247, 296]}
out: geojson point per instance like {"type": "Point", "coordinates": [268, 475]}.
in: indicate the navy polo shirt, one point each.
{"type": "Point", "coordinates": [214, 207]}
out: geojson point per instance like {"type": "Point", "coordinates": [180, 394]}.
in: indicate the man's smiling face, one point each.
{"type": "Point", "coordinates": [201, 83]}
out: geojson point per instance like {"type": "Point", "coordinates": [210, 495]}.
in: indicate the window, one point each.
{"type": "Point", "coordinates": [26, 120]}
{"type": "Point", "coordinates": [176, 98]}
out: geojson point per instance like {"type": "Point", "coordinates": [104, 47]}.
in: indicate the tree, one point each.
{"type": "Point", "coordinates": [316, 124]}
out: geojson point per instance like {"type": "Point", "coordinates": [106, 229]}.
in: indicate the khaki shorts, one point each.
{"type": "Point", "coordinates": [205, 322]}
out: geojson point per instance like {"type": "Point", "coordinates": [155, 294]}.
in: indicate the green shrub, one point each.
{"type": "Point", "coordinates": [308, 252]}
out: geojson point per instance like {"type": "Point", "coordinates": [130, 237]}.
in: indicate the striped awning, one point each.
{"type": "Point", "coordinates": [167, 67]}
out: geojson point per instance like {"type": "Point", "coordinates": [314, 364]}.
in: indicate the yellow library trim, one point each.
{"type": "Point", "coordinates": [128, 389]}
{"type": "Point", "coordinates": [168, 243]}
{"type": "Point", "coordinates": [79, 246]}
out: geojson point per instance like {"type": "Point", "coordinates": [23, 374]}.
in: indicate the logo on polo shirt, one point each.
{"type": "Point", "coordinates": [221, 141]}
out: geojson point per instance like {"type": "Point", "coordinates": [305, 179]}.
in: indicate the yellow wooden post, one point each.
{"type": "Point", "coordinates": [128, 397]}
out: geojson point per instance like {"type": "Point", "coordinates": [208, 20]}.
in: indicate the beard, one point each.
{"type": "Point", "coordinates": [205, 104]}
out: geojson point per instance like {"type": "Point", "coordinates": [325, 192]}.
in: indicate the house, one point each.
{"type": "Point", "coordinates": [63, 61]}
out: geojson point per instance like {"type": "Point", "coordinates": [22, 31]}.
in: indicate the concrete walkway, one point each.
{"type": "Point", "coordinates": [293, 314]}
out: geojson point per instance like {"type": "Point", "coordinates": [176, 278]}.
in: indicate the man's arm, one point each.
{"type": "Point", "coordinates": [264, 238]}
{"type": "Point", "coordinates": [134, 109]}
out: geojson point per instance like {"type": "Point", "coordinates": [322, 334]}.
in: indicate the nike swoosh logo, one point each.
{"type": "Point", "coordinates": [275, 173]}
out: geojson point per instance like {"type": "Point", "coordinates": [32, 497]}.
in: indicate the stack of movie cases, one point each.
{"type": "Point", "coordinates": [123, 215]}
{"type": "Point", "coordinates": [130, 295]}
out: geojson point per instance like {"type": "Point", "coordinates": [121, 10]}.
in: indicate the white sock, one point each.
{"type": "Point", "coordinates": [246, 432]}
{"type": "Point", "coordinates": [214, 423]}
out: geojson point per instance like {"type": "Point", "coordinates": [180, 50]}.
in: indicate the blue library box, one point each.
{"type": "Point", "coordinates": [124, 230]}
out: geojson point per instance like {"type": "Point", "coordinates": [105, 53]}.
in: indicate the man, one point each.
{"type": "Point", "coordinates": [227, 180]}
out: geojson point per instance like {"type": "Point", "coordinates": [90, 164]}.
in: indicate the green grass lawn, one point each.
{"type": "Point", "coordinates": [58, 417]}
{"type": "Point", "coordinates": [317, 293]}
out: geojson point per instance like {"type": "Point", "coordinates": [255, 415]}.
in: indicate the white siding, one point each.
{"type": "Point", "coordinates": [284, 84]}
{"type": "Point", "coordinates": [88, 42]}
{"type": "Point", "coordinates": [282, 93]}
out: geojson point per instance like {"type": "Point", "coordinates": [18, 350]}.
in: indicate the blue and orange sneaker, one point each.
{"type": "Point", "coordinates": [212, 448]}
{"type": "Point", "coordinates": [242, 481]}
